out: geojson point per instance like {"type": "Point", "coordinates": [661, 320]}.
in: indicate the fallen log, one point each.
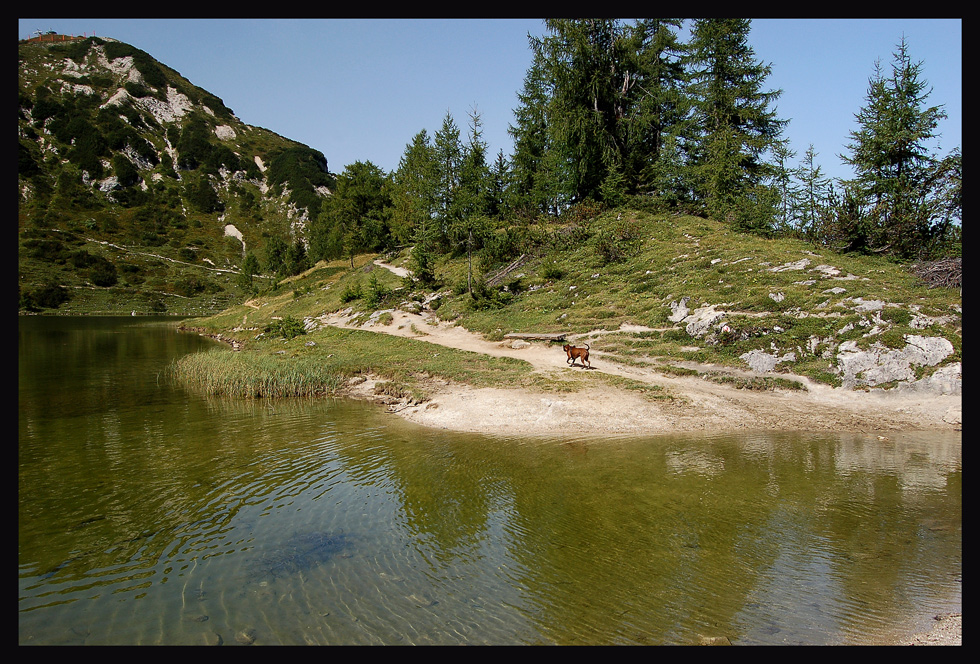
{"type": "Point", "coordinates": [560, 336]}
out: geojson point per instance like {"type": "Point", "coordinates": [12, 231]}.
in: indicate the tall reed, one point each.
{"type": "Point", "coordinates": [252, 375]}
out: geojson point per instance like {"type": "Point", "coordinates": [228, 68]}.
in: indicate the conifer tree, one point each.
{"type": "Point", "coordinates": [497, 186]}
{"type": "Point", "coordinates": [813, 194]}
{"type": "Point", "coordinates": [598, 98]}
{"type": "Point", "coordinates": [737, 125]}
{"type": "Point", "coordinates": [275, 255]}
{"type": "Point", "coordinates": [662, 110]}
{"type": "Point", "coordinates": [354, 218]}
{"type": "Point", "coordinates": [250, 267]}
{"type": "Point", "coordinates": [413, 188]}
{"type": "Point", "coordinates": [469, 221]}
{"type": "Point", "coordinates": [533, 174]}
{"type": "Point", "coordinates": [448, 153]}
{"type": "Point", "coordinates": [785, 183]}
{"type": "Point", "coordinates": [890, 155]}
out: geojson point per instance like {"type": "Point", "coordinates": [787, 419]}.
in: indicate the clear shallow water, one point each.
{"type": "Point", "coordinates": [150, 515]}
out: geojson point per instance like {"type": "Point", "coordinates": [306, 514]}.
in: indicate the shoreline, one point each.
{"type": "Point", "coordinates": [692, 405]}
{"type": "Point", "coordinates": [610, 411]}
{"type": "Point", "coordinates": [672, 403]}
{"type": "Point", "coordinates": [948, 631]}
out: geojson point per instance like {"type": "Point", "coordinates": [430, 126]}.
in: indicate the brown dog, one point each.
{"type": "Point", "coordinates": [574, 353]}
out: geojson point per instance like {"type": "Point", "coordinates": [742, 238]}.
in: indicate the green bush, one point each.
{"type": "Point", "coordinates": [48, 296]}
{"type": "Point", "coordinates": [897, 315]}
{"type": "Point", "coordinates": [551, 271]}
{"type": "Point", "coordinates": [202, 196]}
{"type": "Point", "coordinates": [46, 249]}
{"type": "Point", "coordinates": [194, 145]}
{"type": "Point", "coordinates": [125, 172]}
{"type": "Point", "coordinates": [190, 286]}
{"type": "Point", "coordinates": [377, 292]}
{"type": "Point", "coordinates": [351, 292]}
{"type": "Point", "coordinates": [103, 273]}
{"type": "Point", "coordinates": [618, 243]}
{"type": "Point", "coordinates": [301, 170]}
{"type": "Point", "coordinates": [287, 327]}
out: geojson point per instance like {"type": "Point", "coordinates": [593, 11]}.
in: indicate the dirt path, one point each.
{"type": "Point", "coordinates": [698, 405]}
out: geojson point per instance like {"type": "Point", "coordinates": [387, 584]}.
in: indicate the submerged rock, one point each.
{"type": "Point", "coordinates": [299, 553]}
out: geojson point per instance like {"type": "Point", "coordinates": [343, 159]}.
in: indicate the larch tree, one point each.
{"type": "Point", "coordinates": [413, 187]}
{"type": "Point", "coordinates": [414, 204]}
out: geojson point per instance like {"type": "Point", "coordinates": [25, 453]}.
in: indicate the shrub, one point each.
{"type": "Point", "coordinates": [103, 273]}
{"type": "Point", "coordinates": [301, 170]}
{"type": "Point", "coordinates": [351, 292]}
{"type": "Point", "coordinates": [202, 196]}
{"type": "Point", "coordinates": [125, 172]}
{"type": "Point", "coordinates": [48, 296]}
{"type": "Point", "coordinates": [190, 286]}
{"type": "Point", "coordinates": [287, 327]}
{"type": "Point", "coordinates": [377, 292]}
{"type": "Point", "coordinates": [551, 270]}
{"type": "Point", "coordinates": [897, 315]}
{"type": "Point", "coordinates": [619, 243]}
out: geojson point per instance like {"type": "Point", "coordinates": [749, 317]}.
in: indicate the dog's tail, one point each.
{"type": "Point", "coordinates": [588, 347]}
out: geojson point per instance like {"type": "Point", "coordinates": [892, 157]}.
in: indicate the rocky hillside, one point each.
{"type": "Point", "coordinates": [139, 191]}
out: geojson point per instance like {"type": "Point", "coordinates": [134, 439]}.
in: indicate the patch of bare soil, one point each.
{"type": "Point", "coordinates": [697, 404]}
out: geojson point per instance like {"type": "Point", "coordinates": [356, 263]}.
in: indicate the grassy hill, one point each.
{"type": "Point", "coordinates": [139, 191]}
{"type": "Point", "coordinates": [679, 292]}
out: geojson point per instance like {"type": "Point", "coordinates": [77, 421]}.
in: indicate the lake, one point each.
{"type": "Point", "coordinates": [150, 514]}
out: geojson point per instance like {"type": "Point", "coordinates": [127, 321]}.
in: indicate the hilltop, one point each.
{"type": "Point", "coordinates": [691, 326]}
{"type": "Point", "coordinates": [140, 191]}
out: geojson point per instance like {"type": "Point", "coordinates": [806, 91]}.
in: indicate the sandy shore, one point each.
{"type": "Point", "coordinates": [947, 632]}
{"type": "Point", "coordinates": [697, 404]}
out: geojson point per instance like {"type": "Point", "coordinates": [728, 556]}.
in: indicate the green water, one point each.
{"type": "Point", "coordinates": [152, 515]}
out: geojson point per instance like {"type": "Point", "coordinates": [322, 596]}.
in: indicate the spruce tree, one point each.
{"type": "Point", "coordinates": [354, 218]}
{"type": "Point", "coordinates": [250, 267]}
{"type": "Point", "coordinates": [448, 153]}
{"type": "Point", "coordinates": [471, 204]}
{"type": "Point", "coordinates": [814, 193]}
{"type": "Point", "coordinates": [275, 255]}
{"type": "Point", "coordinates": [662, 111]}
{"type": "Point", "coordinates": [600, 101]}
{"type": "Point", "coordinates": [533, 179]}
{"type": "Point", "coordinates": [891, 159]}
{"type": "Point", "coordinates": [737, 126]}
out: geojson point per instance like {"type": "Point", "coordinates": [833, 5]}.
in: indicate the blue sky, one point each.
{"type": "Point", "coordinates": [361, 89]}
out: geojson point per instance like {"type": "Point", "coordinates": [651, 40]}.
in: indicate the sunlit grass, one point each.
{"type": "Point", "coordinates": [323, 361]}
{"type": "Point", "coordinates": [565, 284]}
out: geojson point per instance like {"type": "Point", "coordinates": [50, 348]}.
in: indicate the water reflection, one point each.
{"type": "Point", "coordinates": [165, 517]}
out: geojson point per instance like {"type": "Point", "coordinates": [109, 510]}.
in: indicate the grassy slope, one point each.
{"type": "Point", "coordinates": [188, 266]}
{"type": "Point", "coordinates": [567, 285]}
